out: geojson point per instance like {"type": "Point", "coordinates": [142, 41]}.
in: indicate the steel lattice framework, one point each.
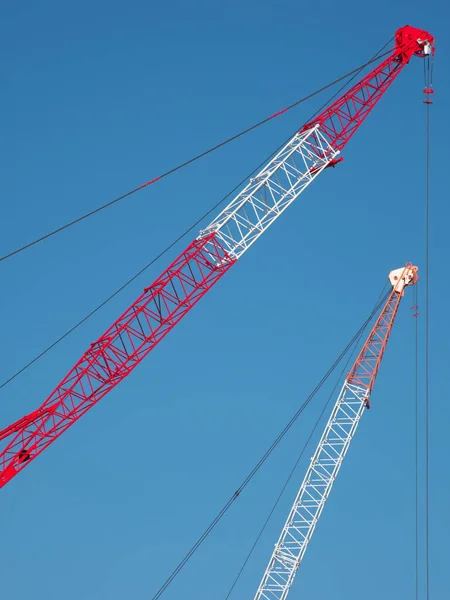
{"type": "Point", "coordinates": [271, 191]}
{"type": "Point", "coordinates": [142, 326]}
{"type": "Point", "coordinates": [332, 448]}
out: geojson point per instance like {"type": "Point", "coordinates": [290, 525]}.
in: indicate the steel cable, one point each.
{"type": "Point", "coordinates": [265, 456]}
{"type": "Point", "coordinates": [185, 163]}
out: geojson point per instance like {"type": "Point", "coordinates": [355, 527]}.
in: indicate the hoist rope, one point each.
{"type": "Point", "coordinates": [428, 82]}
{"type": "Point", "coordinates": [266, 455]}
{"type": "Point", "coordinates": [188, 230]}
{"type": "Point", "coordinates": [427, 276]}
{"type": "Point", "coordinates": [416, 429]}
{"type": "Point", "coordinates": [189, 161]}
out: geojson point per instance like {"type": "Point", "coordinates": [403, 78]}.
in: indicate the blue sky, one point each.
{"type": "Point", "coordinates": [98, 97]}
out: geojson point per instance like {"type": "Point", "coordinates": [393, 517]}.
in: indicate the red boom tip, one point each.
{"type": "Point", "coordinates": [410, 40]}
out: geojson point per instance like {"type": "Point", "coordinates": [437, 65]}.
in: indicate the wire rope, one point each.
{"type": "Point", "coordinates": [180, 166]}
{"type": "Point", "coordinates": [264, 458]}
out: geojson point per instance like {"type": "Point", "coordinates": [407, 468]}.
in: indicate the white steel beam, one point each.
{"type": "Point", "coordinates": [313, 493]}
{"type": "Point", "coordinates": [271, 191]}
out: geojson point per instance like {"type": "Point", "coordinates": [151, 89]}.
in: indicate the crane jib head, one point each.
{"type": "Point", "coordinates": [410, 41]}
{"type": "Point", "coordinates": [400, 278]}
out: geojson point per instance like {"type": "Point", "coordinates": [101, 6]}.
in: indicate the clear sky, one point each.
{"type": "Point", "coordinates": [99, 97]}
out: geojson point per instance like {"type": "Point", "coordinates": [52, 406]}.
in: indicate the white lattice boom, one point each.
{"type": "Point", "coordinates": [332, 448]}
{"type": "Point", "coordinates": [271, 191]}
{"type": "Point", "coordinates": [313, 493]}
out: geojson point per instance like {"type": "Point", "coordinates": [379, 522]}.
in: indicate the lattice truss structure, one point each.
{"type": "Point", "coordinates": [119, 350]}
{"type": "Point", "coordinates": [271, 191]}
{"type": "Point", "coordinates": [331, 449]}
{"type": "Point", "coordinates": [313, 493]}
{"type": "Point", "coordinates": [147, 321]}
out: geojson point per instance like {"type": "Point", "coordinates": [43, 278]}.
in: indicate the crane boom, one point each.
{"type": "Point", "coordinates": [143, 325]}
{"type": "Point", "coordinates": [332, 448]}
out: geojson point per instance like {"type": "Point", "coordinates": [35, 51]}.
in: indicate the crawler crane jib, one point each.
{"type": "Point", "coordinates": [324, 467]}
{"type": "Point", "coordinates": [112, 357]}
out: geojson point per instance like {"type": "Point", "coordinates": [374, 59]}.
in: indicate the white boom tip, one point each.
{"type": "Point", "coordinates": [400, 278]}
